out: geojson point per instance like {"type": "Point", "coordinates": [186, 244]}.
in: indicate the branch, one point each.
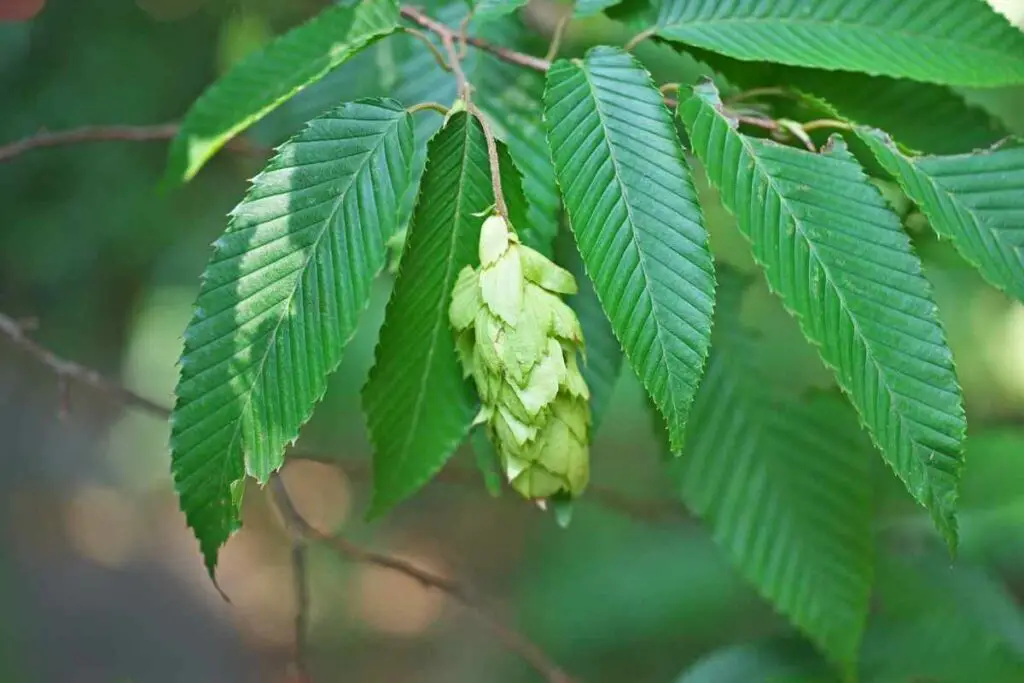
{"type": "Point", "coordinates": [649, 511]}
{"type": "Point", "coordinates": [653, 512]}
{"type": "Point", "coordinates": [107, 134]}
{"type": "Point", "coordinates": [300, 528]}
{"type": "Point", "coordinates": [300, 582]}
{"type": "Point", "coordinates": [502, 53]}
{"type": "Point", "coordinates": [66, 370]}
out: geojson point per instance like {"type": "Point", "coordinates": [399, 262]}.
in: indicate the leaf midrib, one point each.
{"type": "Point", "coordinates": [857, 29]}
{"type": "Point", "coordinates": [655, 307]}
{"type": "Point", "coordinates": [439, 318]}
{"type": "Point", "coordinates": [757, 162]}
{"type": "Point", "coordinates": [287, 303]}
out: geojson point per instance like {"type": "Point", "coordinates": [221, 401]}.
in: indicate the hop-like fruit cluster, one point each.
{"type": "Point", "coordinates": [519, 341]}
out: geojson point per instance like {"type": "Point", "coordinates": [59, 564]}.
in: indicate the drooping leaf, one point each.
{"type": "Point", "coordinates": [975, 200]}
{"type": "Point", "coordinates": [280, 298]}
{"type": "Point", "coordinates": [839, 259]}
{"type": "Point", "coordinates": [785, 486]}
{"type": "Point", "coordinates": [418, 405]}
{"type": "Point", "coordinates": [266, 78]}
{"type": "Point", "coordinates": [633, 209]}
{"type": "Point", "coordinates": [778, 660]}
{"type": "Point", "coordinates": [941, 623]}
{"type": "Point", "coordinates": [955, 42]}
{"type": "Point", "coordinates": [511, 97]}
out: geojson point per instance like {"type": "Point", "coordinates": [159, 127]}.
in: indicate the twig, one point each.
{"type": "Point", "coordinates": [425, 39]}
{"type": "Point", "coordinates": [513, 640]}
{"type": "Point", "coordinates": [653, 512]}
{"type": "Point", "coordinates": [492, 156]}
{"type": "Point", "coordinates": [428, 106]}
{"type": "Point", "coordinates": [667, 88]}
{"type": "Point", "coordinates": [108, 134]}
{"type": "Point", "coordinates": [825, 123]}
{"type": "Point", "coordinates": [767, 124]}
{"type": "Point", "coordinates": [797, 131]}
{"type": "Point", "coordinates": [639, 38]}
{"type": "Point", "coordinates": [69, 370]}
{"type": "Point", "coordinates": [503, 53]}
{"type": "Point", "coordinates": [556, 37]}
{"type": "Point", "coordinates": [300, 581]}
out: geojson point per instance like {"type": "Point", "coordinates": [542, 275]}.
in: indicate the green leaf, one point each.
{"type": "Point", "coordinates": [779, 660]}
{"type": "Point", "coordinates": [511, 98]}
{"type": "Point", "coordinates": [604, 355]}
{"type": "Point", "coordinates": [928, 117]}
{"type": "Point", "coordinates": [280, 298]}
{"type": "Point", "coordinates": [976, 200]}
{"type": "Point", "coordinates": [265, 79]}
{"type": "Point", "coordinates": [418, 405]}
{"type": "Point", "coordinates": [942, 623]}
{"type": "Point", "coordinates": [955, 42]}
{"type": "Point", "coordinates": [633, 209]}
{"type": "Point", "coordinates": [840, 261]}
{"type": "Point", "coordinates": [784, 485]}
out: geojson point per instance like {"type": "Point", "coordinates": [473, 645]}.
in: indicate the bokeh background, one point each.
{"type": "Point", "coordinates": [101, 582]}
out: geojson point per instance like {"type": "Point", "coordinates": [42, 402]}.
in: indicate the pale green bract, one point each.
{"type": "Point", "coordinates": [518, 340]}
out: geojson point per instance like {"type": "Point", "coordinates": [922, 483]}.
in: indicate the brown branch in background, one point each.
{"type": "Point", "coordinates": [108, 134]}
{"type": "Point", "coordinates": [502, 53]}
{"type": "Point", "coordinates": [298, 526]}
{"type": "Point", "coordinates": [301, 530]}
{"type": "Point", "coordinates": [653, 512]}
{"type": "Point", "coordinates": [66, 370]}
{"type": "Point", "coordinates": [69, 371]}
{"type": "Point", "coordinates": [429, 44]}
{"type": "Point", "coordinates": [300, 583]}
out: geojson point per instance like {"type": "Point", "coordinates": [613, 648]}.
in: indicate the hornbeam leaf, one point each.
{"type": "Point", "coordinates": [975, 200]}
{"type": "Point", "coordinates": [785, 486]}
{"type": "Point", "coordinates": [418, 405]}
{"type": "Point", "coordinates": [280, 298]}
{"type": "Point", "coordinates": [634, 211]}
{"type": "Point", "coordinates": [838, 258]}
{"type": "Point", "coordinates": [953, 42]}
{"type": "Point", "coordinates": [262, 81]}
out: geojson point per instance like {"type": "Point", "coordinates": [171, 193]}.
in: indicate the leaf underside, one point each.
{"type": "Point", "coordinates": [418, 405]}
{"type": "Point", "coordinates": [785, 486]}
{"type": "Point", "coordinates": [265, 79]}
{"type": "Point", "coordinates": [839, 260]}
{"type": "Point", "coordinates": [639, 228]}
{"type": "Point", "coordinates": [279, 300]}
{"type": "Point", "coordinates": [975, 200]}
{"type": "Point", "coordinates": [955, 42]}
